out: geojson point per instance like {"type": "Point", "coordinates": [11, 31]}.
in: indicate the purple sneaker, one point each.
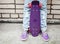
{"type": "Point", "coordinates": [24, 36]}
{"type": "Point", "coordinates": [45, 36]}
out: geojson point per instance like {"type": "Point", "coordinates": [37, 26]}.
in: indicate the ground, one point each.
{"type": "Point", "coordinates": [10, 34]}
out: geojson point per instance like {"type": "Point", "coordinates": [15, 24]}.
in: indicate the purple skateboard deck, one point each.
{"type": "Point", "coordinates": [35, 20]}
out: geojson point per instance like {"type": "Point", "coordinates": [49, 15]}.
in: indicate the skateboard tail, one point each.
{"type": "Point", "coordinates": [35, 32]}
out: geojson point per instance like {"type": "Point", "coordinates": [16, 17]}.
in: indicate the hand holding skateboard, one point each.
{"type": "Point", "coordinates": [30, 5]}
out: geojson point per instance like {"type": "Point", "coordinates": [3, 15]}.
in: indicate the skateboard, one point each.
{"type": "Point", "coordinates": [35, 21]}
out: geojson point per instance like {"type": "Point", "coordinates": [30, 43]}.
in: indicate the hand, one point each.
{"type": "Point", "coordinates": [40, 5]}
{"type": "Point", "coordinates": [29, 5]}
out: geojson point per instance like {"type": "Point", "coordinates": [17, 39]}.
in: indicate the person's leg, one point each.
{"type": "Point", "coordinates": [44, 19]}
{"type": "Point", "coordinates": [26, 15]}
{"type": "Point", "coordinates": [43, 15]}
{"type": "Point", "coordinates": [26, 18]}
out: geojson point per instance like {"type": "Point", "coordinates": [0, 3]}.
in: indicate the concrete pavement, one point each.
{"type": "Point", "coordinates": [10, 34]}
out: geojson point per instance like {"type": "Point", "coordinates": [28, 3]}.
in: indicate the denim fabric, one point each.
{"type": "Point", "coordinates": [26, 14]}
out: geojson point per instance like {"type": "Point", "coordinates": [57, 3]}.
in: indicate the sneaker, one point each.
{"type": "Point", "coordinates": [45, 36]}
{"type": "Point", "coordinates": [24, 36]}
